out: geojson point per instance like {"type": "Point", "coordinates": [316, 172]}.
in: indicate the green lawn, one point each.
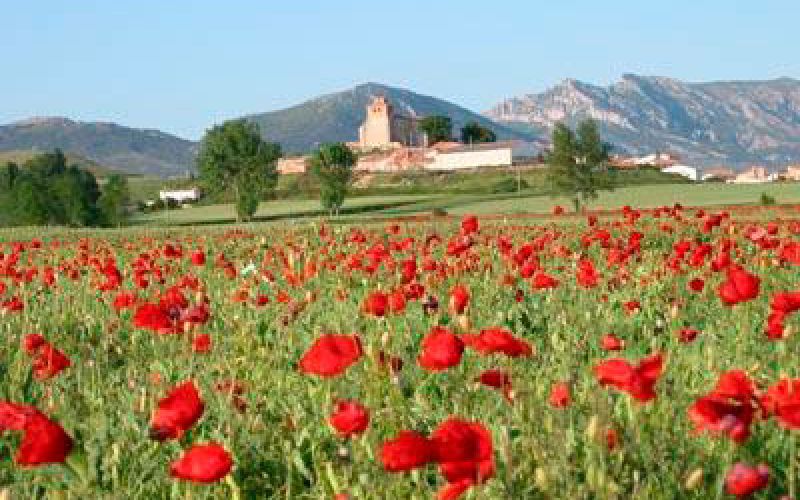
{"type": "Point", "coordinates": [402, 205]}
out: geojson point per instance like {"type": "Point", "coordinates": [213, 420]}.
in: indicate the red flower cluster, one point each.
{"type": "Point", "coordinates": [47, 360]}
{"type": "Point", "coordinates": [463, 450]}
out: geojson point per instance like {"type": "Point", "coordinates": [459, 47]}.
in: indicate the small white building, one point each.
{"type": "Point", "coordinates": [467, 156]}
{"type": "Point", "coordinates": [754, 175]}
{"type": "Point", "coordinates": [684, 170]}
{"type": "Point", "coordinates": [180, 195]}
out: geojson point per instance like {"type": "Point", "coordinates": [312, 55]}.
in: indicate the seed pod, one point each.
{"type": "Point", "coordinates": [541, 478]}
{"type": "Point", "coordinates": [694, 479]}
{"type": "Point", "coordinates": [593, 428]}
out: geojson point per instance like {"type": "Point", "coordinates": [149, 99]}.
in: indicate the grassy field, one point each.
{"type": "Point", "coordinates": [510, 384]}
{"type": "Point", "coordinates": [709, 194]}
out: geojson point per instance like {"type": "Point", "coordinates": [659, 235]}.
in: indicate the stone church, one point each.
{"type": "Point", "coordinates": [385, 128]}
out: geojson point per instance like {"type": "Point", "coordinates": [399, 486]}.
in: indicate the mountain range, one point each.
{"type": "Point", "coordinates": [733, 122]}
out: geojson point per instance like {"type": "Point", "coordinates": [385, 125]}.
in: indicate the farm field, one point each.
{"type": "Point", "coordinates": [647, 354]}
{"type": "Point", "coordinates": [649, 196]}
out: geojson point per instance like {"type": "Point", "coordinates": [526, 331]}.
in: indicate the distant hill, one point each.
{"type": "Point", "coordinates": [20, 157]}
{"type": "Point", "coordinates": [336, 117]}
{"type": "Point", "coordinates": [735, 122]}
{"type": "Point", "coordinates": [136, 151]}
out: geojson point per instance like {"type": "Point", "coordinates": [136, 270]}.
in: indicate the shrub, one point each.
{"type": "Point", "coordinates": [766, 199]}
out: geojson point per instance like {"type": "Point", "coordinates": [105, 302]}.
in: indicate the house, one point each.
{"type": "Point", "coordinates": [792, 173]}
{"type": "Point", "coordinates": [719, 174]}
{"type": "Point", "coordinates": [660, 160]}
{"type": "Point", "coordinates": [180, 195]}
{"type": "Point", "coordinates": [753, 175]}
{"type": "Point", "coordinates": [467, 156]}
{"type": "Point", "coordinates": [293, 165]}
{"type": "Point", "coordinates": [684, 170]}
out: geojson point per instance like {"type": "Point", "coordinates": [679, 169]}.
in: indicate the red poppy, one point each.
{"type": "Point", "coordinates": [459, 299]}
{"type": "Point", "coordinates": [587, 276]}
{"type": "Point", "coordinates": [206, 463]}
{"type": "Point", "coordinates": [542, 281]}
{"type": "Point", "coordinates": [409, 450]}
{"type": "Point", "coordinates": [638, 380]}
{"type": "Point", "coordinates": [43, 441]}
{"type": "Point", "coordinates": [349, 418]}
{"type": "Point", "coordinates": [441, 349]}
{"type": "Point", "coordinates": [330, 355]}
{"type": "Point", "coordinates": [177, 412]}
{"type": "Point", "coordinates": [198, 258]}
{"type": "Point", "coordinates": [739, 286]}
{"type": "Point", "coordinates": [783, 401]}
{"type": "Point", "coordinates": [498, 340]}
{"type": "Point", "coordinates": [611, 342]}
{"type": "Point", "coordinates": [729, 409]}
{"type": "Point", "coordinates": [687, 335]}
{"type": "Point", "coordinates": [463, 451]}
{"type": "Point", "coordinates": [376, 304]}
{"type": "Point", "coordinates": [124, 300]}
{"type": "Point", "coordinates": [469, 224]}
{"type": "Point", "coordinates": [743, 480]}
{"type": "Point", "coordinates": [154, 318]}
{"type": "Point", "coordinates": [696, 285]}
{"type": "Point", "coordinates": [201, 344]}
{"type": "Point", "coordinates": [49, 362]}
{"type": "Point", "coordinates": [559, 395]}
{"type": "Point", "coordinates": [496, 379]}
{"type": "Point", "coordinates": [397, 301]}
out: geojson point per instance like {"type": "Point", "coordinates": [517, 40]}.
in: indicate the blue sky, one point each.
{"type": "Point", "coordinates": [181, 65]}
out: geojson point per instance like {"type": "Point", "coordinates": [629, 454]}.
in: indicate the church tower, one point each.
{"type": "Point", "coordinates": [376, 132]}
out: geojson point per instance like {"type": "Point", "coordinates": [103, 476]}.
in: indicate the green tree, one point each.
{"type": "Point", "coordinates": [437, 128]}
{"type": "Point", "coordinates": [28, 202]}
{"type": "Point", "coordinates": [332, 165]}
{"type": "Point", "coordinates": [578, 163]}
{"type": "Point", "coordinates": [474, 132]}
{"type": "Point", "coordinates": [113, 200]}
{"type": "Point", "coordinates": [234, 157]}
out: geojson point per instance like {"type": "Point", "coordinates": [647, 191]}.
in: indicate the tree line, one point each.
{"type": "Point", "coordinates": [46, 190]}
{"type": "Point", "coordinates": [234, 158]}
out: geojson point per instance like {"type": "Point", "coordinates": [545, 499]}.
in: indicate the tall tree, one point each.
{"type": "Point", "coordinates": [234, 157]}
{"type": "Point", "coordinates": [114, 199]}
{"type": "Point", "coordinates": [437, 128]}
{"type": "Point", "coordinates": [578, 163]}
{"type": "Point", "coordinates": [332, 165]}
{"type": "Point", "coordinates": [474, 132]}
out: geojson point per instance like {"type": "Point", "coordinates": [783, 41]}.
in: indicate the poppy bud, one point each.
{"type": "Point", "coordinates": [694, 479]}
{"type": "Point", "coordinates": [464, 323]}
{"type": "Point", "coordinates": [541, 478]}
{"type": "Point", "coordinates": [593, 428]}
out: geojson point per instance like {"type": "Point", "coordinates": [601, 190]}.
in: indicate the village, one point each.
{"type": "Point", "coordinates": [389, 141]}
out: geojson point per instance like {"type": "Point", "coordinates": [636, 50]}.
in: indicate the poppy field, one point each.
{"type": "Point", "coordinates": [629, 354]}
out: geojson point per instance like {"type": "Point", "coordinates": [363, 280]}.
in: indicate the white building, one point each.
{"type": "Point", "coordinates": [754, 175]}
{"type": "Point", "coordinates": [463, 157]}
{"type": "Point", "coordinates": [180, 195]}
{"type": "Point", "coordinates": [684, 170]}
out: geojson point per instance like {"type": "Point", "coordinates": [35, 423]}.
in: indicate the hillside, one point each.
{"type": "Point", "coordinates": [336, 117]}
{"type": "Point", "coordinates": [20, 157]}
{"type": "Point", "coordinates": [136, 151]}
{"type": "Point", "coordinates": [730, 122]}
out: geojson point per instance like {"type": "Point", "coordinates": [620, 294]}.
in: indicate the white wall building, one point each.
{"type": "Point", "coordinates": [464, 157]}
{"type": "Point", "coordinates": [684, 170]}
{"type": "Point", "coordinates": [180, 195]}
